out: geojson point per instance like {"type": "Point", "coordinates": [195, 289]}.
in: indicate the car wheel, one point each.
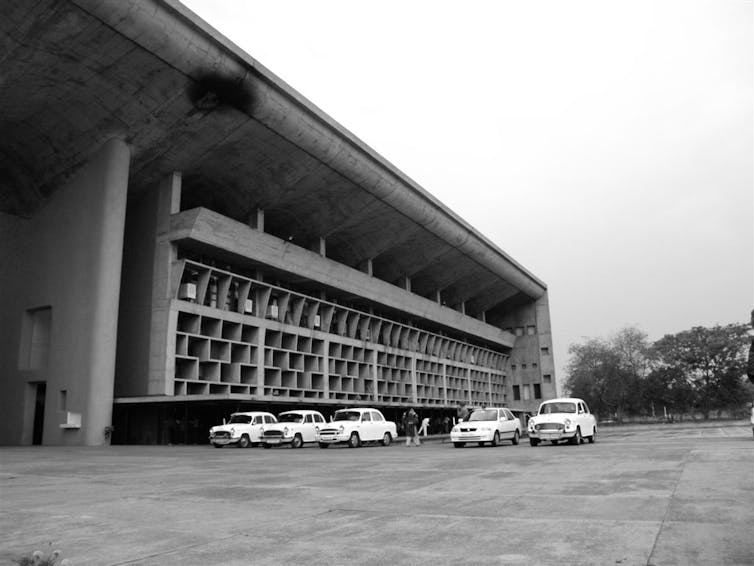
{"type": "Point", "coordinates": [297, 441]}
{"type": "Point", "coordinates": [217, 445]}
{"type": "Point", "coordinates": [266, 446]}
{"type": "Point", "coordinates": [576, 440]}
{"type": "Point", "coordinates": [459, 444]}
{"type": "Point", "coordinates": [387, 439]}
{"type": "Point", "coordinates": [534, 441]}
{"type": "Point", "coordinates": [594, 436]}
{"type": "Point", "coordinates": [496, 439]}
{"type": "Point", "coordinates": [324, 445]}
{"type": "Point", "coordinates": [354, 441]}
{"type": "Point", "coordinates": [516, 436]}
{"type": "Point", "coordinates": [244, 442]}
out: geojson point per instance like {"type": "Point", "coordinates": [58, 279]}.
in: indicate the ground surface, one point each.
{"type": "Point", "coordinates": [672, 494]}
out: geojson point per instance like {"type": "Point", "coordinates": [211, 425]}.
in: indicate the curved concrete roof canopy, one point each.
{"type": "Point", "coordinates": [187, 99]}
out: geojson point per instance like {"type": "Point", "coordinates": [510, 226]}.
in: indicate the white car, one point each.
{"type": "Point", "coordinates": [562, 419]}
{"type": "Point", "coordinates": [492, 425]}
{"type": "Point", "coordinates": [355, 426]}
{"type": "Point", "coordinates": [243, 429]}
{"type": "Point", "coordinates": [294, 428]}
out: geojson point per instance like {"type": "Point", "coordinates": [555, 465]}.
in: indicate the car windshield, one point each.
{"type": "Point", "coordinates": [239, 419]}
{"type": "Point", "coordinates": [347, 416]}
{"type": "Point", "coordinates": [549, 408]}
{"type": "Point", "coordinates": [291, 418]}
{"type": "Point", "coordinates": [483, 415]}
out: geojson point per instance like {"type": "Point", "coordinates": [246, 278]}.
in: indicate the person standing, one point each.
{"type": "Point", "coordinates": [425, 427]}
{"type": "Point", "coordinates": [412, 427]}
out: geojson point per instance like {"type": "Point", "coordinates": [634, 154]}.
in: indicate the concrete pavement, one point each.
{"type": "Point", "coordinates": [640, 495]}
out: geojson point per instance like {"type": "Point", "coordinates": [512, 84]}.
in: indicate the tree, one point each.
{"type": "Point", "coordinates": [712, 361]}
{"type": "Point", "coordinates": [606, 373]}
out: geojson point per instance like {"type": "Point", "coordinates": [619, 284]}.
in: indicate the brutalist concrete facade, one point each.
{"type": "Point", "coordinates": [184, 235]}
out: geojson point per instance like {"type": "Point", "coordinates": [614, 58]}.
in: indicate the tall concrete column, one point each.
{"type": "Point", "coordinates": [105, 227]}
{"type": "Point", "coordinates": [163, 319]}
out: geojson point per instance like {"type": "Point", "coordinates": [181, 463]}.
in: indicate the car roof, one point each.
{"type": "Point", "coordinates": [360, 409]}
{"type": "Point", "coordinates": [564, 400]}
{"type": "Point", "coordinates": [253, 413]}
{"type": "Point", "coordinates": [301, 411]}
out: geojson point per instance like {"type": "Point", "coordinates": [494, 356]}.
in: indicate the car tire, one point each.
{"type": "Point", "coordinates": [459, 444]}
{"type": "Point", "coordinates": [324, 445]}
{"type": "Point", "coordinates": [217, 445]}
{"type": "Point", "coordinates": [387, 439]}
{"type": "Point", "coordinates": [495, 439]}
{"type": "Point", "coordinates": [297, 441]}
{"type": "Point", "coordinates": [593, 437]}
{"type": "Point", "coordinates": [534, 441]}
{"type": "Point", "coordinates": [516, 437]}
{"type": "Point", "coordinates": [576, 440]}
{"type": "Point", "coordinates": [354, 441]}
{"type": "Point", "coordinates": [244, 442]}
{"type": "Point", "coordinates": [266, 446]}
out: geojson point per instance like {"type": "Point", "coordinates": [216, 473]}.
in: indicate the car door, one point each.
{"type": "Point", "coordinates": [508, 425]}
{"type": "Point", "coordinates": [366, 430]}
{"type": "Point", "coordinates": [517, 424]}
{"type": "Point", "coordinates": [590, 422]}
{"type": "Point", "coordinates": [379, 424]}
{"type": "Point", "coordinates": [256, 428]}
{"type": "Point", "coordinates": [307, 430]}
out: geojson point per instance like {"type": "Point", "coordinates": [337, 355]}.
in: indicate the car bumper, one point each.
{"type": "Point", "coordinates": [332, 438]}
{"type": "Point", "coordinates": [223, 441]}
{"type": "Point", "coordinates": [276, 441]}
{"type": "Point", "coordinates": [552, 434]}
{"type": "Point", "coordinates": [471, 436]}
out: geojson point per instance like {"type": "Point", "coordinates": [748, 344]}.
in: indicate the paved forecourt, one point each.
{"type": "Point", "coordinates": [639, 495]}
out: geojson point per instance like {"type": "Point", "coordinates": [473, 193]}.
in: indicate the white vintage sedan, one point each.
{"type": "Point", "coordinates": [356, 426]}
{"type": "Point", "coordinates": [562, 419]}
{"type": "Point", "coordinates": [492, 425]}
{"type": "Point", "coordinates": [294, 428]}
{"type": "Point", "coordinates": [243, 429]}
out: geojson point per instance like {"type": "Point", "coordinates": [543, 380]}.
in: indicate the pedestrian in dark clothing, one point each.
{"type": "Point", "coordinates": [412, 428]}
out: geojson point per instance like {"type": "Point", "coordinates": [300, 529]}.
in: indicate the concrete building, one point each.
{"type": "Point", "coordinates": [182, 234]}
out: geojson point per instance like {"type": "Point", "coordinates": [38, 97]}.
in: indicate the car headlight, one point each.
{"type": "Point", "coordinates": [454, 429]}
{"type": "Point", "coordinates": [486, 428]}
{"type": "Point", "coordinates": [232, 431]}
{"type": "Point", "coordinates": [286, 432]}
{"type": "Point", "coordinates": [567, 423]}
{"type": "Point", "coordinates": [531, 425]}
{"type": "Point", "coordinates": [341, 428]}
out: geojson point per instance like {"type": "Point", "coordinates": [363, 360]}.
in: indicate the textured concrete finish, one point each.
{"type": "Point", "coordinates": [645, 495]}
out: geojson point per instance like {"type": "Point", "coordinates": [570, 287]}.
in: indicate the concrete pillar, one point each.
{"type": "Point", "coordinates": [256, 220]}
{"type": "Point", "coordinates": [163, 319]}
{"type": "Point", "coordinates": [106, 254]}
{"type": "Point", "coordinates": [367, 267]}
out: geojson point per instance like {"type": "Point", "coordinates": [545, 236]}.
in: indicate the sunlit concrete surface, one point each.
{"type": "Point", "coordinates": [661, 495]}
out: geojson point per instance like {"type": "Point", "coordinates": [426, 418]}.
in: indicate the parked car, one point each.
{"type": "Point", "coordinates": [242, 429]}
{"type": "Point", "coordinates": [562, 419]}
{"type": "Point", "coordinates": [294, 428]}
{"type": "Point", "coordinates": [492, 425]}
{"type": "Point", "coordinates": [356, 426]}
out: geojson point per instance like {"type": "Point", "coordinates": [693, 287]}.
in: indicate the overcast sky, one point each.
{"type": "Point", "coordinates": [606, 146]}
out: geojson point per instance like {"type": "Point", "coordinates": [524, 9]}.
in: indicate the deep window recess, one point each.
{"type": "Point", "coordinates": [537, 391]}
{"type": "Point", "coordinates": [547, 378]}
{"type": "Point", "coordinates": [516, 393]}
{"type": "Point", "coordinates": [35, 338]}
